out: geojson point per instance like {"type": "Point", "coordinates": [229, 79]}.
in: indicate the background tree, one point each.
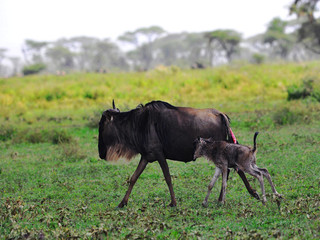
{"type": "Point", "coordinates": [106, 56]}
{"type": "Point", "coordinates": [228, 41]}
{"type": "Point", "coordinates": [61, 57]}
{"type": "Point", "coordinates": [276, 37]}
{"type": "Point", "coordinates": [142, 40]}
{"type": "Point", "coordinates": [33, 51]}
{"type": "Point", "coordinates": [15, 61]}
{"type": "Point", "coordinates": [180, 49]}
{"type": "Point", "coordinates": [2, 57]}
{"type": "Point", "coordinates": [309, 29]}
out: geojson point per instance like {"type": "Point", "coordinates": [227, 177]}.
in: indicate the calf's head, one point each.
{"type": "Point", "coordinates": [200, 146]}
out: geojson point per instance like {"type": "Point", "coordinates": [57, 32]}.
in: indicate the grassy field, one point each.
{"type": "Point", "coordinates": [53, 185]}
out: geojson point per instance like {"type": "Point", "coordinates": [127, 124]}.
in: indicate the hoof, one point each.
{"type": "Point", "coordinates": [172, 204]}
{"type": "Point", "coordinates": [205, 204]}
{"type": "Point", "coordinates": [264, 200]}
{"type": "Point", "coordinates": [278, 195]}
{"type": "Point", "coordinates": [121, 205]}
{"type": "Point", "coordinates": [255, 195]}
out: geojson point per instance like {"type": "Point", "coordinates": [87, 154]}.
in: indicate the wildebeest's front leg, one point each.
{"type": "Point", "coordinates": [142, 165]}
{"type": "Point", "coordinates": [165, 169]}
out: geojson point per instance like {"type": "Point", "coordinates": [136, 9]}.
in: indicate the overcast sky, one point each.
{"type": "Point", "coordinates": [45, 20]}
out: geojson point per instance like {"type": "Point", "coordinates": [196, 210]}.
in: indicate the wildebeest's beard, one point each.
{"type": "Point", "coordinates": [118, 150]}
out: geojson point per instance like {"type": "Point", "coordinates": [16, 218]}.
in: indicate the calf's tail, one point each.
{"type": "Point", "coordinates": [254, 142]}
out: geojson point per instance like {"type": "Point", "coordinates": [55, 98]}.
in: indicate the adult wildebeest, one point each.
{"type": "Point", "coordinates": [228, 155]}
{"type": "Point", "coordinates": [159, 131]}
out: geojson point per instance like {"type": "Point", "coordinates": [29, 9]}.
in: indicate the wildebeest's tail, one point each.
{"type": "Point", "coordinates": [254, 142]}
{"type": "Point", "coordinates": [226, 122]}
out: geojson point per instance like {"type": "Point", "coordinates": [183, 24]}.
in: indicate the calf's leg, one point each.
{"type": "Point", "coordinates": [224, 184]}
{"type": "Point", "coordinates": [142, 165]}
{"type": "Point", "coordinates": [265, 173]}
{"type": "Point", "coordinates": [248, 186]}
{"type": "Point", "coordinates": [252, 191]}
{"type": "Point", "coordinates": [212, 182]}
{"type": "Point", "coordinates": [220, 196]}
{"type": "Point", "coordinates": [257, 174]}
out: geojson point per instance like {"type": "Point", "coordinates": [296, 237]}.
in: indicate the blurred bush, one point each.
{"type": "Point", "coordinates": [71, 152]}
{"type": "Point", "coordinates": [258, 58]}
{"type": "Point", "coordinates": [6, 132]}
{"type": "Point", "coordinates": [93, 120]}
{"type": "Point", "coordinates": [304, 90]}
{"type": "Point", "coordinates": [284, 116]}
{"type": "Point", "coordinates": [33, 69]}
{"type": "Point", "coordinates": [31, 135]}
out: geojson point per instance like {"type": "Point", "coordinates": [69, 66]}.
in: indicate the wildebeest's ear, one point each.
{"type": "Point", "coordinates": [109, 114]}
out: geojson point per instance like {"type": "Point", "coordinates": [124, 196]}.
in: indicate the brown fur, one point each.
{"type": "Point", "coordinates": [227, 155]}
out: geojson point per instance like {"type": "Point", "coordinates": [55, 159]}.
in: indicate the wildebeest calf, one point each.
{"type": "Point", "coordinates": [228, 155]}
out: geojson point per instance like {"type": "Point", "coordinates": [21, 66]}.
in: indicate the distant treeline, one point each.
{"type": "Point", "coordinates": [296, 40]}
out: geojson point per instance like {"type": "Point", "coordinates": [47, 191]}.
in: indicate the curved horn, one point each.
{"type": "Point", "coordinates": [113, 105]}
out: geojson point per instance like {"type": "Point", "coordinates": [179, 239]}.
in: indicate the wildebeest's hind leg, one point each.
{"type": "Point", "coordinates": [165, 169]}
{"type": "Point", "coordinates": [212, 182]}
{"type": "Point", "coordinates": [142, 165]}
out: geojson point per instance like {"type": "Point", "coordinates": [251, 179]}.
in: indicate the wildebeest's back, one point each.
{"type": "Point", "coordinates": [178, 128]}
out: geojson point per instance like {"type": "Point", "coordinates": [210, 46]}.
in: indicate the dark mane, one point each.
{"type": "Point", "coordinates": [160, 105]}
{"type": "Point", "coordinates": [138, 116]}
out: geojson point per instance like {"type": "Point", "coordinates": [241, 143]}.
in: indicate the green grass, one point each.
{"type": "Point", "coordinates": [53, 185]}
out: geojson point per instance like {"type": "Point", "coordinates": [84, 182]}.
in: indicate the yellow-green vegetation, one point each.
{"type": "Point", "coordinates": [252, 87]}
{"type": "Point", "coordinates": [53, 185]}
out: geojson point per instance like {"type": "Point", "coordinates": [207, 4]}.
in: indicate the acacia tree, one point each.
{"type": "Point", "coordinates": [180, 49]}
{"type": "Point", "coordinates": [278, 40]}
{"type": "Point", "coordinates": [142, 40]}
{"type": "Point", "coordinates": [33, 51]}
{"type": "Point", "coordinates": [61, 57]}
{"type": "Point", "coordinates": [107, 55]}
{"type": "Point", "coordinates": [309, 30]}
{"type": "Point", "coordinates": [227, 41]}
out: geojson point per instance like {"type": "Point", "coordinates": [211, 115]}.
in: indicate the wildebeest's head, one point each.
{"type": "Point", "coordinates": [107, 132]}
{"type": "Point", "coordinates": [200, 144]}
{"type": "Point", "coordinates": [111, 144]}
